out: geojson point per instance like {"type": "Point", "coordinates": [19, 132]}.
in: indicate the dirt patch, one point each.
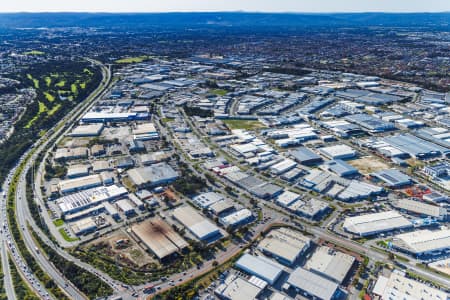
{"type": "Point", "coordinates": [368, 164]}
{"type": "Point", "coordinates": [120, 246]}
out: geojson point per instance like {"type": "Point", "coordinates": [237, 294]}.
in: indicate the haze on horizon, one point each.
{"type": "Point", "coordinates": [308, 6]}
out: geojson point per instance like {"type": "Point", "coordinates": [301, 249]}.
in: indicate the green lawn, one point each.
{"type": "Point", "coordinates": [66, 236]}
{"type": "Point", "coordinates": [61, 83]}
{"type": "Point", "coordinates": [167, 120]}
{"type": "Point", "coordinates": [74, 88]}
{"type": "Point", "coordinates": [218, 92]}
{"type": "Point", "coordinates": [49, 96]}
{"type": "Point", "coordinates": [34, 52]}
{"type": "Point", "coordinates": [58, 222]}
{"type": "Point", "coordinates": [48, 81]}
{"type": "Point", "coordinates": [42, 109]}
{"type": "Point", "coordinates": [54, 109]}
{"type": "Point", "coordinates": [244, 124]}
{"type": "Point", "coordinates": [131, 60]}
{"type": "Point", "coordinates": [35, 81]}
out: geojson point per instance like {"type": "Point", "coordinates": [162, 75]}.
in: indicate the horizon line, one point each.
{"type": "Point", "coordinates": [223, 11]}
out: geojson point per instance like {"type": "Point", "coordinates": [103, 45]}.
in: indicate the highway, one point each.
{"type": "Point", "coordinates": [23, 214]}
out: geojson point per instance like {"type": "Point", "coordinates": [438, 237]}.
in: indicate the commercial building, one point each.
{"type": "Point", "coordinates": [237, 218]}
{"type": "Point", "coordinates": [422, 208]}
{"type": "Point", "coordinates": [65, 154]}
{"type": "Point", "coordinates": [415, 147]}
{"type": "Point", "coordinates": [136, 201]}
{"type": "Point", "coordinates": [83, 226]}
{"type": "Point", "coordinates": [338, 152]}
{"type": "Point", "coordinates": [111, 210]}
{"type": "Point", "coordinates": [261, 267]}
{"type": "Point", "coordinates": [375, 223]}
{"type": "Point", "coordinates": [221, 207]}
{"type": "Point", "coordinates": [283, 166]}
{"type": "Point", "coordinates": [78, 170]}
{"type": "Point", "coordinates": [104, 117]}
{"type": "Point", "coordinates": [370, 123]}
{"type": "Point", "coordinates": [199, 226]}
{"type": "Point", "coordinates": [305, 156]}
{"type": "Point", "coordinates": [237, 288]}
{"type": "Point", "coordinates": [207, 199]}
{"type": "Point", "coordinates": [125, 207]}
{"type": "Point", "coordinates": [154, 175]}
{"type": "Point", "coordinates": [80, 183]}
{"type": "Point", "coordinates": [159, 237]}
{"type": "Point", "coordinates": [144, 132]}
{"type": "Point", "coordinates": [87, 130]}
{"type": "Point", "coordinates": [313, 285]}
{"type": "Point", "coordinates": [392, 178]}
{"type": "Point", "coordinates": [285, 245]}
{"type": "Point", "coordinates": [330, 264]}
{"type": "Point", "coordinates": [340, 168]}
{"type": "Point", "coordinates": [287, 198]}
{"type": "Point", "coordinates": [398, 286]}
{"type": "Point", "coordinates": [438, 170]}
{"type": "Point", "coordinates": [423, 242]}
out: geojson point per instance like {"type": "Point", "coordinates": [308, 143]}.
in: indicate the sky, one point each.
{"type": "Point", "coordinates": [225, 5]}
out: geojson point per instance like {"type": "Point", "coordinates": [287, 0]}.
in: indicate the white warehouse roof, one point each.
{"type": "Point", "coordinates": [376, 223]}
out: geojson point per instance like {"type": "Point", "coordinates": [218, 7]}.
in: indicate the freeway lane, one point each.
{"type": "Point", "coordinates": [22, 217]}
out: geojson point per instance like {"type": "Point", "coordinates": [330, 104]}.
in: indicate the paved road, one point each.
{"type": "Point", "coordinates": [24, 217]}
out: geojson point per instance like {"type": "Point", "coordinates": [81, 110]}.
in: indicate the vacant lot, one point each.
{"type": "Point", "coordinates": [368, 164]}
{"type": "Point", "coordinates": [244, 124]}
{"type": "Point", "coordinates": [123, 249]}
{"type": "Point", "coordinates": [132, 60]}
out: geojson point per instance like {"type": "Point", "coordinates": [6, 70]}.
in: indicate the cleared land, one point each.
{"type": "Point", "coordinates": [368, 164]}
{"type": "Point", "coordinates": [244, 124]}
{"type": "Point", "coordinates": [132, 60]}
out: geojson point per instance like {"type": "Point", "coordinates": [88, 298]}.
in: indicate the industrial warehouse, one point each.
{"type": "Point", "coordinates": [159, 237]}
{"type": "Point", "coordinates": [375, 223]}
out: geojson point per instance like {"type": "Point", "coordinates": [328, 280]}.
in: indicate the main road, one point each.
{"type": "Point", "coordinates": [23, 214]}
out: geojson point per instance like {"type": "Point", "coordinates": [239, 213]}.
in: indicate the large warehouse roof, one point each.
{"type": "Point", "coordinates": [284, 243]}
{"type": "Point", "coordinates": [312, 283]}
{"type": "Point", "coordinates": [201, 227]}
{"type": "Point", "coordinates": [422, 208]}
{"type": "Point", "coordinates": [155, 174]}
{"type": "Point", "coordinates": [261, 267]}
{"type": "Point", "coordinates": [333, 264]}
{"type": "Point", "coordinates": [415, 146]}
{"type": "Point", "coordinates": [375, 223]}
{"type": "Point", "coordinates": [159, 237]}
{"type": "Point", "coordinates": [397, 286]}
{"type": "Point", "coordinates": [89, 197]}
{"type": "Point", "coordinates": [421, 241]}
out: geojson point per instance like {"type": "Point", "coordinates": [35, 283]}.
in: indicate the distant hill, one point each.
{"type": "Point", "coordinates": [221, 19]}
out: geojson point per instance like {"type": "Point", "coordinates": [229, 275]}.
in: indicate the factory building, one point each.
{"type": "Point", "coordinates": [312, 285]}
{"type": "Point", "coordinates": [415, 147]}
{"type": "Point", "coordinates": [202, 228]}
{"type": "Point", "coordinates": [398, 286]}
{"type": "Point", "coordinates": [154, 175]}
{"type": "Point", "coordinates": [331, 264]}
{"type": "Point", "coordinates": [423, 242]}
{"type": "Point", "coordinates": [305, 156]}
{"type": "Point", "coordinates": [261, 267]}
{"type": "Point", "coordinates": [422, 209]}
{"type": "Point", "coordinates": [237, 288]}
{"type": "Point", "coordinates": [159, 238]}
{"type": "Point", "coordinates": [375, 223]}
{"type": "Point", "coordinates": [392, 178]}
{"type": "Point", "coordinates": [237, 218]}
{"type": "Point", "coordinates": [79, 184]}
{"type": "Point", "coordinates": [338, 152]}
{"type": "Point", "coordinates": [87, 130]}
{"type": "Point", "coordinates": [340, 168]}
{"type": "Point", "coordinates": [207, 199]}
{"type": "Point", "coordinates": [285, 245]}
{"type": "Point", "coordinates": [125, 207]}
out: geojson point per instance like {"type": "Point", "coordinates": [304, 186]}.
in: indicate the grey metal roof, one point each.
{"type": "Point", "coordinates": [312, 283]}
